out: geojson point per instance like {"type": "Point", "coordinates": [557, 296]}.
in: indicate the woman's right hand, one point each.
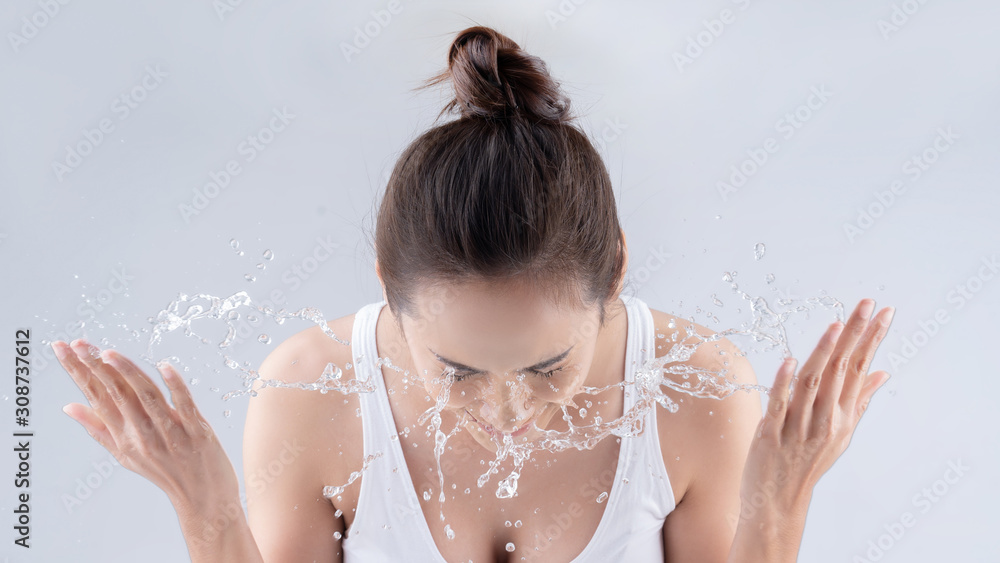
{"type": "Point", "coordinates": [174, 447]}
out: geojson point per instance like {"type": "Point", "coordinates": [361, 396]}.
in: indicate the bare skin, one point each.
{"type": "Point", "coordinates": [705, 445]}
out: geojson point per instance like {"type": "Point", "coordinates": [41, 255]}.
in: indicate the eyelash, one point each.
{"type": "Point", "coordinates": [456, 376]}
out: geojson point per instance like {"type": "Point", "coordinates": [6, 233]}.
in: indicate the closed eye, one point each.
{"type": "Point", "coordinates": [547, 373]}
{"type": "Point", "coordinates": [459, 375]}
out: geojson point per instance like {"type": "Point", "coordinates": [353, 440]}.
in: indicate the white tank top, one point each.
{"type": "Point", "coordinates": [389, 524]}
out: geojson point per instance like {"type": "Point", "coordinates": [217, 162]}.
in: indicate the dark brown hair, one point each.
{"type": "Point", "coordinates": [511, 191]}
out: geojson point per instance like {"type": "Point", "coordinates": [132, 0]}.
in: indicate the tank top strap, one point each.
{"type": "Point", "coordinates": [648, 460]}
{"type": "Point", "coordinates": [365, 356]}
{"type": "Point", "coordinates": [640, 343]}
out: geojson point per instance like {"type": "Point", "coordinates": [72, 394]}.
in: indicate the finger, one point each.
{"type": "Point", "coordinates": [119, 391]}
{"type": "Point", "coordinates": [93, 390]}
{"type": "Point", "coordinates": [832, 382]}
{"type": "Point", "coordinates": [180, 395]}
{"type": "Point", "coordinates": [92, 423]}
{"type": "Point", "coordinates": [777, 404]}
{"type": "Point", "coordinates": [147, 393]}
{"type": "Point", "coordinates": [858, 372]}
{"type": "Point", "coordinates": [875, 382]}
{"type": "Point", "coordinates": [804, 392]}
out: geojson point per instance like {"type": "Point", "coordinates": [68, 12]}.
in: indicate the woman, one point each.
{"type": "Point", "coordinates": [502, 264]}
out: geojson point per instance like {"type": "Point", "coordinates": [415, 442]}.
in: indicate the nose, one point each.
{"type": "Point", "coordinates": [507, 404]}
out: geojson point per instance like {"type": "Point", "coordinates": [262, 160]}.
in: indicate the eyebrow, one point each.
{"type": "Point", "coordinates": [537, 367]}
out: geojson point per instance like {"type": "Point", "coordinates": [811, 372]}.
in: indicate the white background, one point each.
{"type": "Point", "coordinates": [680, 127]}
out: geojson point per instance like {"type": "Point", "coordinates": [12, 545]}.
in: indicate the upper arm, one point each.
{"type": "Point", "coordinates": [703, 524]}
{"type": "Point", "coordinates": [288, 515]}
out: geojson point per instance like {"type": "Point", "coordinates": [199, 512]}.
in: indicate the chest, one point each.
{"type": "Point", "coordinates": [559, 504]}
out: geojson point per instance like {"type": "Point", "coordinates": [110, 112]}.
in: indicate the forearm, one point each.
{"type": "Point", "coordinates": [767, 534]}
{"type": "Point", "coordinates": [219, 534]}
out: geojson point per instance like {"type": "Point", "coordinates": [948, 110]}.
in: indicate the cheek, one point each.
{"type": "Point", "coordinates": [460, 394]}
{"type": "Point", "coordinates": [562, 386]}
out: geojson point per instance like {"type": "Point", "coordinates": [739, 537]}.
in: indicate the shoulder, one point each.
{"type": "Point", "coordinates": [323, 422]}
{"type": "Point", "coordinates": [297, 358]}
{"type": "Point", "coordinates": [706, 434]}
{"type": "Point", "coordinates": [295, 442]}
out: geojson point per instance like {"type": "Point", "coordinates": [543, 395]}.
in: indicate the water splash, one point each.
{"type": "Point", "coordinates": [186, 309]}
{"type": "Point", "coordinates": [671, 371]}
{"type": "Point", "coordinates": [333, 491]}
{"type": "Point", "coordinates": [758, 251]}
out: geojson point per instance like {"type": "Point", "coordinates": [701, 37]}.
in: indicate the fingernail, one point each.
{"type": "Point", "coordinates": [107, 358]}
{"type": "Point", "coordinates": [887, 317]}
{"type": "Point", "coordinates": [65, 409]}
{"type": "Point", "coordinates": [60, 352]}
{"type": "Point", "coordinates": [165, 370]}
{"type": "Point", "coordinates": [867, 306]}
{"type": "Point", "coordinates": [86, 350]}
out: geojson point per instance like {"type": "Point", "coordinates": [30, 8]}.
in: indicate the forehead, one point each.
{"type": "Point", "coordinates": [496, 326]}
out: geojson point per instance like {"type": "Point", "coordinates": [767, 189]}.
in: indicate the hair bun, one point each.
{"type": "Point", "coordinates": [494, 78]}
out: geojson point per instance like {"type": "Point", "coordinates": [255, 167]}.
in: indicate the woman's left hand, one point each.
{"type": "Point", "coordinates": [798, 439]}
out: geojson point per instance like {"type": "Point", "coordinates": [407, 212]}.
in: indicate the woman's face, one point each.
{"type": "Point", "coordinates": [517, 356]}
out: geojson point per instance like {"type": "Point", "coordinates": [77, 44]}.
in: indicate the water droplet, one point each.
{"type": "Point", "coordinates": [268, 255]}
{"type": "Point", "coordinates": [602, 497]}
{"type": "Point", "coordinates": [758, 251]}
{"type": "Point", "coordinates": [249, 278]}
{"type": "Point", "coordinates": [337, 535]}
{"type": "Point", "coordinates": [510, 547]}
{"type": "Point", "coordinates": [517, 524]}
{"type": "Point", "coordinates": [226, 413]}
{"type": "Point", "coordinates": [235, 244]}
{"type": "Point", "coordinates": [449, 532]}
{"type": "Point", "coordinates": [507, 524]}
{"type": "Point", "coordinates": [427, 494]}
{"type": "Point", "coordinates": [264, 339]}
{"type": "Point", "coordinates": [260, 266]}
